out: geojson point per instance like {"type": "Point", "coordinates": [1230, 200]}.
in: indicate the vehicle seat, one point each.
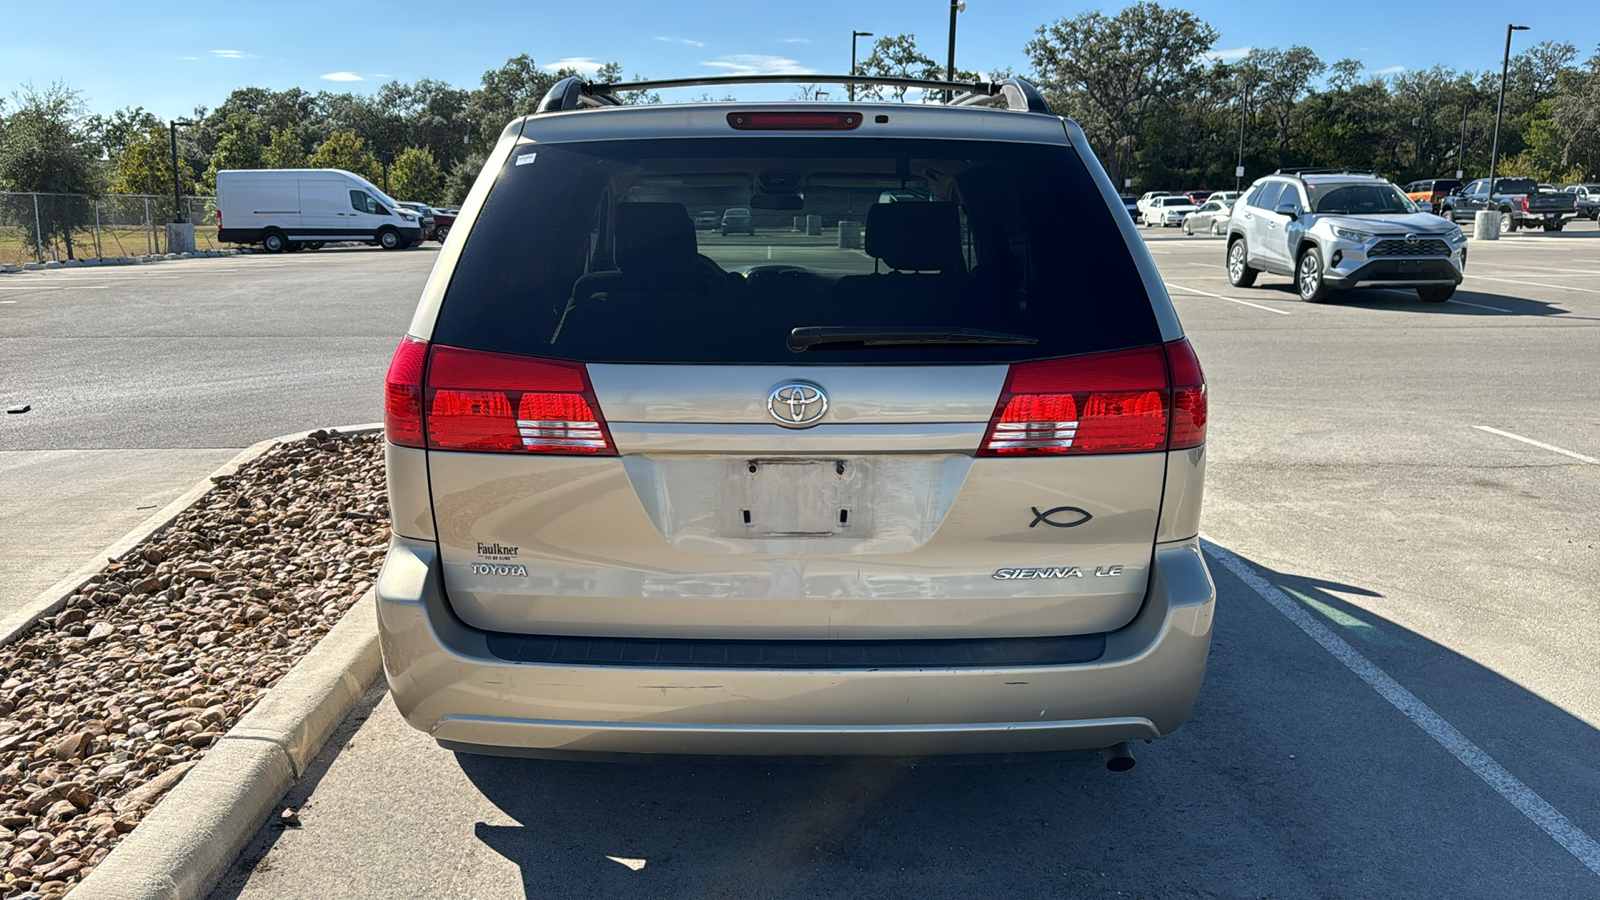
{"type": "Point", "coordinates": [920, 242]}
{"type": "Point", "coordinates": [655, 252]}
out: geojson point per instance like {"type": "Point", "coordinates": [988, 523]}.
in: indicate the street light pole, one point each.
{"type": "Point", "coordinates": [853, 36]}
{"type": "Point", "coordinates": [1500, 108]}
{"type": "Point", "coordinates": [956, 6]}
{"type": "Point", "coordinates": [1238, 173]}
{"type": "Point", "coordinates": [172, 127]}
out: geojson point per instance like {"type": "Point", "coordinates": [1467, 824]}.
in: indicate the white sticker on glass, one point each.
{"type": "Point", "coordinates": [526, 158]}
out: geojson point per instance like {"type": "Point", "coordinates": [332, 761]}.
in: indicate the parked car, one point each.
{"type": "Point", "coordinates": [707, 220]}
{"type": "Point", "coordinates": [1429, 193]}
{"type": "Point", "coordinates": [1586, 199]}
{"type": "Point", "coordinates": [1168, 211]}
{"type": "Point", "coordinates": [1519, 201]}
{"type": "Point", "coordinates": [285, 209]}
{"type": "Point", "coordinates": [737, 219]}
{"type": "Point", "coordinates": [1211, 218]}
{"type": "Point", "coordinates": [1198, 197]}
{"type": "Point", "coordinates": [1147, 198]}
{"type": "Point", "coordinates": [1131, 204]}
{"type": "Point", "coordinates": [443, 219]}
{"type": "Point", "coordinates": [1225, 196]}
{"type": "Point", "coordinates": [671, 496]}
{"type": "Point", "coordinates": [424, 214]}
{"type": "Point", "coordinates": [1340, 230]}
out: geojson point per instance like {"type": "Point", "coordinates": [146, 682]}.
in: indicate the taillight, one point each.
{"type": "Point", "coordinates": [402, 402]}
{"type": "Point", "coordinates": [1524, 204]}
{"type": "Point", "coordinates": [1188, 397]}
{"type": "Point", "coordinates": [1120, 402]}
{"type": "Point", "coordinates": [500, 403]}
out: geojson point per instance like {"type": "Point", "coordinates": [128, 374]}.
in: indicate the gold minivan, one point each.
{"type": "Point", "coordinates": [895, 479]}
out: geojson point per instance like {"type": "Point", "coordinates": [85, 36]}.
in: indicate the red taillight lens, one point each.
{"type": "Point", "coordinates": [1524, 204]}
{"type": "Point", "coordinates": [500, 403]}
{"type": "Point", "coordinates": [1122, 402]}
{"type": "Point", "coordinates": [1105, 403]}
{"type": "Point", "coordinates": [794, 121]}
{"type": "Point", "coordinates": [1188, 396]}
{"type": "Point", "coordinates": [402, 402]}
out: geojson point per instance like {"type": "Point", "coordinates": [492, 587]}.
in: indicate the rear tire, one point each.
{"type": "Point", "coordinates": [1507, 223]}
{"type": "Point", "coordinates": [274, 242]}
{"type": "Point", "coordinates": [440, 233]}
{"type": "Point", "coordinates": [1436, 293]}
{"type": "Point", "coordinates": [1239, 272]}
{"type": "Point", "coordinates": [389, 239]}
{"type": "Point", "coordinates": [1308, 277]}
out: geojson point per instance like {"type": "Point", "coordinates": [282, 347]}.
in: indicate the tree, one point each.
{"type": "Point", "coordinates": [1576, 117]}
{"type": "Point", "coordinates": [47, 148]}
{"type": "Point", "coordinates": [343, 150]}
{"type": "Point", "coordinates": [415, 176]}
{"type": "Point", "coordinates": [462, 175]}
{"type": "Point", "coordinates": [896, 56]}
{"type": "Point", "coordinates": [239, 147]}
{"type": "Point", "coordinates": [113, 133]}
{"type": "Point", "coordinates": [1119, 70]}
{"type": "Point", "coordinates": [284, 150]}
{"type": "Point", "coordinates": [145, 165]}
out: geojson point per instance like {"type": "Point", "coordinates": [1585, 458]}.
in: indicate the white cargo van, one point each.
{"type": "Point", "coordinates": [286, 209]}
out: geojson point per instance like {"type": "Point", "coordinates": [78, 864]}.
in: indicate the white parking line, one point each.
{"type": "Point", "coordinates": [1220, 297]}
{"type": "Point", "coordinates": [1540, 444]}
{"type": "Point", "coordinates": [1525, 799]}
{"type": "Point", "coordinates": [1559, 287]}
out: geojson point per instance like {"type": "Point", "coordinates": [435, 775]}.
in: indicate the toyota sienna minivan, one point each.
{"type": "Point", "coordinates": [928, 483]}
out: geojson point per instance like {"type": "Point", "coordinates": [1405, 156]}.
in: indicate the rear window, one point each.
{"type": "Point", "coordinates": [601, 252]}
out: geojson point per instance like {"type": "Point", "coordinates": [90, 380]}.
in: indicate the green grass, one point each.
{"type": "Point", "coordinates": [16, 248]}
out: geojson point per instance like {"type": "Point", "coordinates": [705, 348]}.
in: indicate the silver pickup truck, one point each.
{"type": "Point", "coordinates": [1519, 201]}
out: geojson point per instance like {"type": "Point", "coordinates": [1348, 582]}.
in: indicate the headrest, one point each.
{"type": "Point", "coordinates": [915, 235]}
{"type": "Point", "coordinates": [654, 237]}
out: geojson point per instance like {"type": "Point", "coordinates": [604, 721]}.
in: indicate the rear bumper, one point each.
{"type": "Point", "coordinates": [446, 682]}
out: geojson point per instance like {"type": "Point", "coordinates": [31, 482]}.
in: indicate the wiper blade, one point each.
{"type": "Point", "coordinates": [809, 336]}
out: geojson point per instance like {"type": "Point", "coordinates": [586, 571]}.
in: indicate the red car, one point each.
{"type": "Point", "coordinates": [441, 223]}
{"type": "Point", "coordinates": [1198, 197]}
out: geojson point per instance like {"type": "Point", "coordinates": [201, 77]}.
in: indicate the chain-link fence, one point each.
{"type": "Point", "coordinates": [41, 227]}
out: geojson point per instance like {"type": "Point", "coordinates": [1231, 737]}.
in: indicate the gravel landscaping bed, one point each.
{"type": "Point", "coordinates": [105, 705]}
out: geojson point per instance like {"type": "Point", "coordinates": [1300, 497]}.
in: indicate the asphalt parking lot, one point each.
{"type": "Point", "coordinates": [1402, 699]}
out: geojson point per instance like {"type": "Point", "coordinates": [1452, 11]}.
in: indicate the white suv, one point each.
{"type": "Point", "coordinates": [901, 478]}
{"type": "Point", "coordinates": [1331, 230]}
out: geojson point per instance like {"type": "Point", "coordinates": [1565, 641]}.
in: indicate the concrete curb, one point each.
{"type": "Point", "coordinates": [184, 846]}
{"type": "Point", "coordinates": [52, 264]}
{"type": "Point", "coordinates": [188, 842]}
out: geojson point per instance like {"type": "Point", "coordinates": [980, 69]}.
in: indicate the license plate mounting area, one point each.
{"type": "Point", "coordinates": [796, 498]}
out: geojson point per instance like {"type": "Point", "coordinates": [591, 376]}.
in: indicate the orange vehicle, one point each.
{"type": "Point", "coordinates": [1431, 191]}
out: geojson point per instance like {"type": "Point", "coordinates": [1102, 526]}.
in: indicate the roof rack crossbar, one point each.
{"type": "Point", "coordinates": [576, 93]}
{"type": "Point", "coordinates": [1323, 170]}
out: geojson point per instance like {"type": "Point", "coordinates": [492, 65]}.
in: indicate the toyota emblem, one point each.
{"type": "Point", "coordinates": [1411, 239]}
{"type": "Point", "coordinates": [797, 404]}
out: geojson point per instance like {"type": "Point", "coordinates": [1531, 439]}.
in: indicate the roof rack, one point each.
{"type": "Point", "coordinates": [1015, 93]}
{"type": "Point", "coordinates": [1323, 170]}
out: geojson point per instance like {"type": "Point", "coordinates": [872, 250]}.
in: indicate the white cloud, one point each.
{"type": "Point", "coordinates": [794, 40]}
{"type": "Point", "coordinates": [232, 54]}
{"type": "Point", "coordinates": [342, 76]}
{"type": "Point", "coordinates": [1388, 70]}
{"type": "Point", "coordinates": [587, 65]}
{"type": "Point", "coordinates": [759, 64]}
{"type": "Point", "coordinates": [1234, 55]}
{"type": "Point", "coordinates": [188, 57]}
{"type": "Point", "coordinates": [673, 40]}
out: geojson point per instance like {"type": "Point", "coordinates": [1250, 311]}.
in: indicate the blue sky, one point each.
{"type": "Point", "coordinates": [126, 54]}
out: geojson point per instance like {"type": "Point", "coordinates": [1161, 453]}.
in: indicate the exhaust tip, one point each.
{"type": "Point", "coordinates": [1118, 757]}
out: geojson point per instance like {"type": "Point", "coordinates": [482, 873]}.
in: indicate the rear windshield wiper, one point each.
{"type": "Point", "coordinates": [809, 336]}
